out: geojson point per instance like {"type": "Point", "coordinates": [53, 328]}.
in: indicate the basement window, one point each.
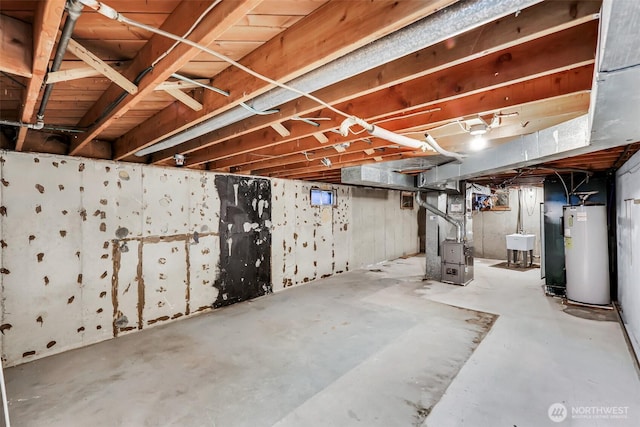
{"type": "Point", "coordinates": [406, 200]}
{"type": "Point", "coordinates": [323, 197]}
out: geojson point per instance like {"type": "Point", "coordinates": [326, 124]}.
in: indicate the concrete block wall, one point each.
{"type": "Point", "coordinates": [366, 226]}
{"type": "Point", "coordinates": [93, 250]}
{"type": "Point", "coordinates": [491, 227]}
{"type": "Point", "coordinates": [628, 236]}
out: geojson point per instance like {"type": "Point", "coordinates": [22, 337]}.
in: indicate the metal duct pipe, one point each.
{"type": "Point", "coordinates": [442, 25]}
{"type": "Point", "coordinates": [74, 8]}
{"type": "Point", "coordinates": [446, 217]}
{"type": "Point", "coordinates": [38, 125]}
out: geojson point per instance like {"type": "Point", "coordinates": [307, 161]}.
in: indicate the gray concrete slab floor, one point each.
{"type": "Point", "coordinates": [374, 347]}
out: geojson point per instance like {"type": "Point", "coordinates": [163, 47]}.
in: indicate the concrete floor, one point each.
{"type": "Point", "coordinates": [371, 348]}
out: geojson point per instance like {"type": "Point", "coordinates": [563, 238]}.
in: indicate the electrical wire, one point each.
{"type": "Point", "coordinates": [111, 13]}
{"type": "Point", "coordinates": [120, 18]}
{"type": "Point", "coordinates": [189, 31]}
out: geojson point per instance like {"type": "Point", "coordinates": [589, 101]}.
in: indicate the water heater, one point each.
{"type": "Point", "coordinates": [586, 254]}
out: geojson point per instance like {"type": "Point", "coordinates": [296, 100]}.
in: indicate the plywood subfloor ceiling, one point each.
{"type": "Point", "coordinates": [115, 93]}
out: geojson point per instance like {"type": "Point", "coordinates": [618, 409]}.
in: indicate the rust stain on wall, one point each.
{"type": "Point", "coordinates": [115, 252]}
{"type": "Point", "coordinates": [40, 188]}
{"type": "Point", "coordinates": [140, 279]}
{"type": "Point", "coordinates": [159, 319]}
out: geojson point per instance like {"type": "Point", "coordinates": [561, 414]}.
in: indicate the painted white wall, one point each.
{"type": "Point", "coordinates": [628, 230]}
{"type": "Point", "coordinates": [491, 227]}
{"type": "Point", "coordinates": [68, 274]}
{"type": "Point", "coordinates": [310, 242]}
{"type": "Point", "coordinates": [95, 249]}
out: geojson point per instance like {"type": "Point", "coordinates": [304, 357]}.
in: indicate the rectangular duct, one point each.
{"type": "Point", "coordinates": [376, 176]}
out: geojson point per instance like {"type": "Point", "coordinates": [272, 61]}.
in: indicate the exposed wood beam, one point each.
{"type": "Point", "coordinates": [184, 98]}
{"type": "Point", "coordinates": [296, 155]}
{"type": "Point", "coordinates": [72, 74]}
{"type": "Point", "coordinates": [180, 84]}
{"type": "Point", "coordinates": [78, 73]}
{"type": "Point", "coordinates": [100, 66]}
{"type": "Point", "coordinates": [336, 28]}
{"type": "Point", "coordinates": [45, 30]}
{"type": "Point", "coordinates": [321, 137]}
{"type": "Point", "coordinates": [532, 23]}
{"type": "Point", "coordinates": [16, 44]}
{"type": "Point", "coordinates": [347, 160]}
{"type": "Point", "coordinates": [220, 19]}
{"type": "Point", "coordinates": [566, 91]}
{"type": "Point", "coordinates": [282, 131]}
{"type": "Point", "coordinates": [528, 61]}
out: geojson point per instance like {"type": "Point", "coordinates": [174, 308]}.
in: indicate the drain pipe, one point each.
{"type": "Point", "coordinates": [74, 8]}
{"type": "Point", "coordinates": [38, 125]}
{"type": "Point", "coordinates": [446, 217]}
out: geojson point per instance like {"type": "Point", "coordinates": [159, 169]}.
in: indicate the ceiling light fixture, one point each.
{"type": "Point", "coordinates": [179, 159]}
{"type": "Point", "coordinates": [478, 129]}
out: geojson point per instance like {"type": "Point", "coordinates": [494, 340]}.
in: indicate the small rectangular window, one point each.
{"type": "Point", "coordinates": [323, 197]}
{"type": "Point", "coordinates": [406, 200]}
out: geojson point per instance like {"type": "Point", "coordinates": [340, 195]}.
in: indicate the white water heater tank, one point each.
{"type": "Point", "coordinates": [586, 254]}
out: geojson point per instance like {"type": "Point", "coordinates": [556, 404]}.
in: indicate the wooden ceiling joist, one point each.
{"type": "Point", "coordinates": [45, 30]}
{"type": "Point", "coordinates": [284, 58]}
{"type": "Point", "coordinates": [541, 57]}
{"type": "Point", "coordinates": [214, 24]}
{"type": "Point", "coordinates": [532, 23]}
{"type": "Point", "coordinates": [568, 91]}
{"type": "Point", "coordinates": [101, 67]}
{"type": "Point", "coordinates": [16, 44]}
{"type": "Point", "coordinates": [184, 98]}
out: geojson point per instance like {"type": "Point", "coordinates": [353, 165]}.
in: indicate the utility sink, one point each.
{"type": "Point", "coordinates": [521, 242]}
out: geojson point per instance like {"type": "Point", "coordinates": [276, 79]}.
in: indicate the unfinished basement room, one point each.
{"type": "Point", "coordinates": [230, 213]}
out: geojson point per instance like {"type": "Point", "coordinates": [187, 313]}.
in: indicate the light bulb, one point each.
{"type": "Point", "coordinates": [478, 143]}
